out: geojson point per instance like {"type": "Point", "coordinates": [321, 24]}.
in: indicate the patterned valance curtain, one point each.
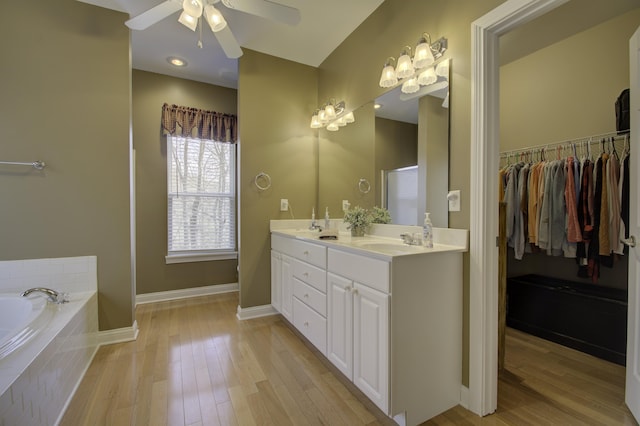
{"type": "Point", "coordinates": [192, 122]}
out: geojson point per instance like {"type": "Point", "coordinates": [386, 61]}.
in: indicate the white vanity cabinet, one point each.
{"type": "Point", "coordinates": [299, 287]}
{"type": "Point", "coordinates": [358, 322]}
{"type": "Point", "coordinates": [391, 323]}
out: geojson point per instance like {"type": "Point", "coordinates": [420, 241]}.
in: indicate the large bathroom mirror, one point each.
{"type": "Point", "coordinates": [376, 160]}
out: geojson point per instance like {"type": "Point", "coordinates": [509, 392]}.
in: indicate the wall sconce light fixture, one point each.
{"type": "Point", "coordinates": [419, 70]}
{"type": "Point", "coordinates": [332, 116]}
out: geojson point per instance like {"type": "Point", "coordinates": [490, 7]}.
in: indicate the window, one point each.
{"type": "Point", "coordinates": [201, 199]}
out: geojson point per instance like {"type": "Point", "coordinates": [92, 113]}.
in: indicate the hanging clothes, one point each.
{"type": "Point", "coordinates": [572, 207]}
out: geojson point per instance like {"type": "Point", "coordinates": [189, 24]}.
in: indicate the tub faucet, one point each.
{"type": "Point", "coordinates": [52, 295]}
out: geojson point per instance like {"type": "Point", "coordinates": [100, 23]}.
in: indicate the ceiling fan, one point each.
{"type": "Point", "coordinates": [194, 11]}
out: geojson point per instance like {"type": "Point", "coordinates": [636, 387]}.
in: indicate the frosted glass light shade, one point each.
{"type": "Point", "coordinates": [442, 69]}
{"type": "Point", "coordinates": [427, 77]}
{"type": "Point", "coordinates": [315, 122]}
{"type": "Point", "coordinates": [214, 18]}
{"type": "Point", "coordinates": [333, 127]}
{"type": "Point", "coordinates": [423, 56]}
{"type": "Point", "coordinates": [322, 116]}
{"type": "Point", "coordinates": [405, 67]}
{"type": "Point", "coordinates": [410, 86]}
{"type": "Point", "coordinates": [193, 7]}
{"type": "Point", "coordinates": [188, 21]}
{"type": "Point", "coordinates": [349, 118]}
{"type": "Point", "coordinates": [388, 77]}
{"type": "Point", "coordinates": [329, 112]}
{"type": "Point", "coordinates": [341, 122]}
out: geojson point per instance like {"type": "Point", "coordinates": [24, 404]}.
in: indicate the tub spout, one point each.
{"type": "Point", "coordinates": [52, 295]}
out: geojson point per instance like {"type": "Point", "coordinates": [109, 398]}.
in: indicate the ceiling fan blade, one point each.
{"type": "Point", "coordinates": [266, 9]}
{"type": "Point", "coordinates": [153, 15]}
{"type": "Point", "coordinates": [228, 43]}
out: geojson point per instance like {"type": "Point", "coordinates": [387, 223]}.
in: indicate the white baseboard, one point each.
{"type": "Point", "coordinates": [255, 312]}
{"type": "Point", "coordinates": [464, 396]}
{"type": "Point", "coordinates": [119, 335]}
{"type": "Point", "coordinates": [163, 296]}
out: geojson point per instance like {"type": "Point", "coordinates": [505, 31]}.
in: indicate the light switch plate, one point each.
{"type": "Point", "coordinates": [454, 200]}
{"type": "Point", "coordinates": [345, 205]}
{"type": "Point", "coordinates": [284, 205]}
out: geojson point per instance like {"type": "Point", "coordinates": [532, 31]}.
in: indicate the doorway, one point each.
{"type": "Point", "coordinates": [485, 153]}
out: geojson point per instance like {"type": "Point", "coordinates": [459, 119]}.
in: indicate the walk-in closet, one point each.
{"type": "Point", "coordinates": [564, 202]}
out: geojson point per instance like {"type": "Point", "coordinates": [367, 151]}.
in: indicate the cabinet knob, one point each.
{"type": "Point", "coordinates": [306, 324]}
{"type": "Point", "coordinates": [305, 252]}
{"type": "Point", "coordinates": [354, 290]}
{"type": "Point", "coordinates": [306, 295]}
{"type": "Point", "coordinates": [347, 288]}
{"type": "Point", "coordinates": [306, 274]}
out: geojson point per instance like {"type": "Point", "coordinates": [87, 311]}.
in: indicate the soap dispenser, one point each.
{"type": "Point", "coordinates": [327, 222]}
{"type": "Point", "coordinates": [427, 232]}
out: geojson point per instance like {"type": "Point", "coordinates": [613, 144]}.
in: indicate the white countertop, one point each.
{"type": "Point", "coordinates": [378, 244]}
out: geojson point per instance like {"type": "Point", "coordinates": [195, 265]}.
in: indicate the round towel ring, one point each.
{"type": "Point", "coordinates": [364, 186]}
{"type": "Point", "coordinates": [265, 179]}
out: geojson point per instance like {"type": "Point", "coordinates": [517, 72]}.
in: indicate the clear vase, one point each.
{"type": "Point", "coordinates": [357, 231]}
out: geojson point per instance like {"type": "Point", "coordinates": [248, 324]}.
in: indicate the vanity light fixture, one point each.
{"type": "Point", "coordinates": [332, 116]}
{"type": "Point", "coordinates": [419, 70]}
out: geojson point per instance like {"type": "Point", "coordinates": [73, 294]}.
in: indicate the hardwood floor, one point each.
{"type": "Point", "coordinates": [195, 364]}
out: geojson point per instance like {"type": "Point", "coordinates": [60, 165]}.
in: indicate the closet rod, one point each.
{"type": "Point", "coordinates": [590, 139]}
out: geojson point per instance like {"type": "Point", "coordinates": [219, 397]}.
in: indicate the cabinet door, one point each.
{"type": "Point", "coordinates": [287, 287]}
{"type": "Point", "coordinates": [371, 344]}
{"type": "Point", "coordinates": [340, 323]}
{"type": "Point", "coordinates": [276, 281]}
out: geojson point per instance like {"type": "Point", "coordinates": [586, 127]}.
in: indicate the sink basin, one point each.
{"type": "Point", "coordinates": [391, 248]}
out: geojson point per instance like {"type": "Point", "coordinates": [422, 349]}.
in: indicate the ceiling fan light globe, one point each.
{"type": "Point", "coordinates": [193, 7]}
{"type": "Point", "coordinates": [214, 18]}
{"type": "Point", "coordinates": [188, 21]}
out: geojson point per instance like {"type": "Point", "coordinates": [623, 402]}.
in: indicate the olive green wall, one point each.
{"type": "Point", "coordinates": [345, 157]}
{"type": "Point", "coordinates": [352, 73]}
{"type": "Point", "coordinates": [66, 100]}
{"type": "Point", "coordinates": [150, 92]}
{"type": "Point", "coordinates": [276, 98]}
{"type": "Point", "coordinates": [567, 90]}
{"type": "Point", "coordinates": [396, 147]}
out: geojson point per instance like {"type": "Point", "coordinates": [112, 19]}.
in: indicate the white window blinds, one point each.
{"type": "Point", "coordinates": [201, 195]}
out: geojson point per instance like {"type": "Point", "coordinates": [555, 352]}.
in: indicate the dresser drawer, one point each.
{"type": "Point", "coordinates": [310, 296]}
{"type": "Point", "coordinates": [311, 275]}
{"type": "Point", "coordinates": [311, 253]}
{"type": "Point", "coordinates": [311, 324]}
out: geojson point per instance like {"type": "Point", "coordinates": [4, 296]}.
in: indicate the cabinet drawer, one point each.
{"type": "Point", "coordinates": [311, 324]}
{"type": "Point", "coordinates": [371, 272]}
{"type": "Point", "coordinates": [311, 253]}
{"type": "Point", "coordinates": [315, 254]}
{"type": "Point", "coordinates": [311, 275]}
{"type": "Point", "coordinates": [310, 296]}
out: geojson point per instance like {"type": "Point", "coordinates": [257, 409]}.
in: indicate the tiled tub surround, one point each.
{"type": "Point", "coordinates": [38, 379]}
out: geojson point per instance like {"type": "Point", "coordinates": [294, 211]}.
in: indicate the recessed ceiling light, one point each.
{"type": "Point", "coordinates": [377, 106]}
{"type": "Point", "coordinates": [176, 61]}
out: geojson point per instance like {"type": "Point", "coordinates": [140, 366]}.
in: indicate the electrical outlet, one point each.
{"type": "Point", "coordinates": [284, 205]}
{"type": "Point", "coordinates": [345, 205]}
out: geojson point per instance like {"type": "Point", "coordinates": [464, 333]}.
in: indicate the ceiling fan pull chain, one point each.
{"type": "Point", "coordinates": [200, 32]}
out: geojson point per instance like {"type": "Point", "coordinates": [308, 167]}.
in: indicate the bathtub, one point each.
{"type": "Point", "coordinates": [45, 348]}
{"type": "Point", "coordinates": [18, 321]}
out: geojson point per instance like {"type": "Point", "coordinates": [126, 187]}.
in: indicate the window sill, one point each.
{"type": "Point", "coordinates": [199, 257]}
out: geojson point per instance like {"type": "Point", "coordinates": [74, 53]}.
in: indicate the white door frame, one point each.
{"type": "Point", "coordinates": [485, 150]}
{"type": "Point", "coordinates": [632, 386]}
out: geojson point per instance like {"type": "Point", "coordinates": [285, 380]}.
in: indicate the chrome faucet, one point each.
{"type": "Point", "coordinates": [52, 295]}
{"type": "Point", "coordinates": [412, 239]}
